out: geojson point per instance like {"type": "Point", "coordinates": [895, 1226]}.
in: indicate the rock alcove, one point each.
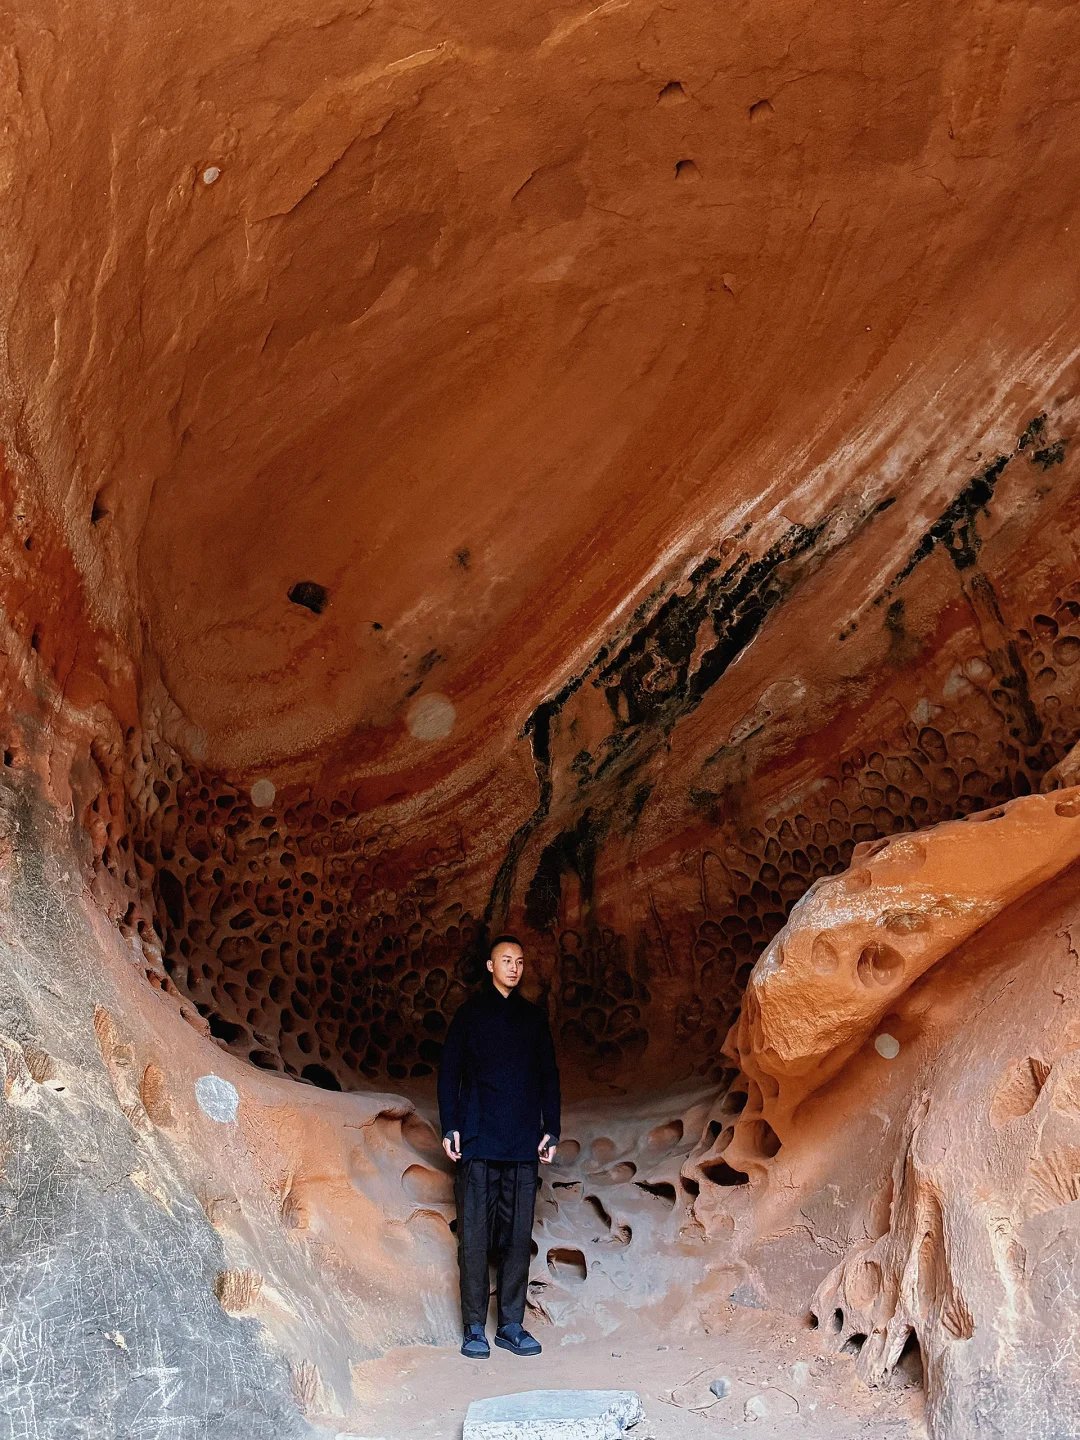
{"type": "Point", "coordinates": [607, 476]}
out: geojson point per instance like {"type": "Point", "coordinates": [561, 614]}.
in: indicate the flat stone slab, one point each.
{"type": "Point", "coordinates": [554, 1415]}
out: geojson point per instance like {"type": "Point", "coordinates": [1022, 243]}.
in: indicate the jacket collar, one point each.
{"type": "Point", "coordinates": [490, 996]}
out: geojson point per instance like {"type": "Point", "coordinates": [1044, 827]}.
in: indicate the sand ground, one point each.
{"type": "Point", "coordinates": [780, 1384]}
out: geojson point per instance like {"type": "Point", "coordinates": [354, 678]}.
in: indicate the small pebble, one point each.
{"type": "Point", "coordinates": [800, 1372]}
{"type": "Point", "coordinates": [210, 174]}
{"type": "Point", "coordinates": [616, 1354]}
{"type": "Point", "coordinates": [721, 1387]}
{"type": "Point", "coordinates": [755, 1408]}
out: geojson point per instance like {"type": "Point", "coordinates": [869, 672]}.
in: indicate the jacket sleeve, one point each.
{"type": "Point", "coordinates": [550, 1098]}
{"type": "Point", "coordinates": [450, 1068]}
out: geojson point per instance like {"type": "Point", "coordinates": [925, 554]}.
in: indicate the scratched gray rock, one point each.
{"type": "Point", "coordinates": [109, 1327]}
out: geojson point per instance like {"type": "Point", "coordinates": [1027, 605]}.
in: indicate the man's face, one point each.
{"type": "Point", "coordinates": [506, 964]}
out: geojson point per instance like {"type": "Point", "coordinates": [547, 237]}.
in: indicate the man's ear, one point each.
{"type": "Point", "coordinates": [491, 966]}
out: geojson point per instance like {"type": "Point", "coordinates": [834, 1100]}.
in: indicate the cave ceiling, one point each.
{"type": "Point", "coordinates": [599, 464]}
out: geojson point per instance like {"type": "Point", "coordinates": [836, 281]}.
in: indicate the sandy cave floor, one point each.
{"type": "Point", "coordinates": [773, 1363]}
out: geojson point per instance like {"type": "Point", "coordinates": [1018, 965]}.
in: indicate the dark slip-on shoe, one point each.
{"type": "Point", "coordinates": [517, 1340]}
{"type": "Point", "coordinates": [474, 1345]}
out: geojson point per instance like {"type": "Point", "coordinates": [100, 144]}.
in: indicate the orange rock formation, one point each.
{"type": "Point", "coordinates": [601, 472]}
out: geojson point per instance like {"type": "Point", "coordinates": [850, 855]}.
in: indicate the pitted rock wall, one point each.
{"type": "Point", "coordinates": [315, 941]}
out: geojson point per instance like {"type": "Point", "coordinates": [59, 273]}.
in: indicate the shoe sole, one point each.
{"type": "Point", "coordinates": [525, 1354]}
{"type": "Point", "coordinates": [484, 1356]}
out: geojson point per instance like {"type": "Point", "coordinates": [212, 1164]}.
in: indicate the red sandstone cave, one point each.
{"type": "Point", "coordinates": [598, 472]}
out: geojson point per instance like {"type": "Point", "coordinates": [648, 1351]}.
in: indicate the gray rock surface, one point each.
{"type": "Point", "coordinates": [109, 1325]}
{"type": "Point", "coordinates": [554, 1415]}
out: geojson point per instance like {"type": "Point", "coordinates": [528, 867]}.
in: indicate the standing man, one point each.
{"type": "Point", "coordinates": [499, 1110]}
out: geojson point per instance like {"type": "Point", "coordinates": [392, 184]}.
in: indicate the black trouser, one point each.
{"type": "Point", "coordinates": [495, 1203]}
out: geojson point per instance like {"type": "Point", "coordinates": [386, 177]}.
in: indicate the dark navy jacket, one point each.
{"type": "Point", "coordinates": [498, 1081]}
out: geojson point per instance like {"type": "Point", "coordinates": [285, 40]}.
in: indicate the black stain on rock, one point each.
{"type": "Point", "coordinates": [650, 681]}
{"type": "Point", "coordinates": [572, 851]}
{"type": "Point", "coordinates": [638, 802]}
{"type": "Point", "coordinates": [660, 673]}
{"type": "Point", "coordinates": [544, 895]}
{"type": "Point", "coordinates": [956, 528]}
{"type": "Point", "coordinates": [1049, 455]}
{"type": "Point", "coordinates": [956, 531]}
{"type": "Point", "coordinates": [581, 765]}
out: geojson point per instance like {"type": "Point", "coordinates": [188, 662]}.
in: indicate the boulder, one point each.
{"type": "Point", "coordinates": [554, 1415]}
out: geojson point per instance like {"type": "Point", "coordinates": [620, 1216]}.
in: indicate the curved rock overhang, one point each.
{"type": "Point", "coordinates": [544, 507]}
{"type": "Point", "coordinates": [582, 472]}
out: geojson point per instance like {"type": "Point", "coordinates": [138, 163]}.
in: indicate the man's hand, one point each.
{"type": "Point", "coordinates": [546, 1150]}
{"type": "Point", "coordinates": [452, 1145]}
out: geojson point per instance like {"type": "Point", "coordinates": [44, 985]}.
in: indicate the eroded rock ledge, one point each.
{"type": "Point", "coordinates": [909, 1043]}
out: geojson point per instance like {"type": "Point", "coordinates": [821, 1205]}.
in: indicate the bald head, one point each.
{"type": "Point", "coordinates": [506, 963]}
